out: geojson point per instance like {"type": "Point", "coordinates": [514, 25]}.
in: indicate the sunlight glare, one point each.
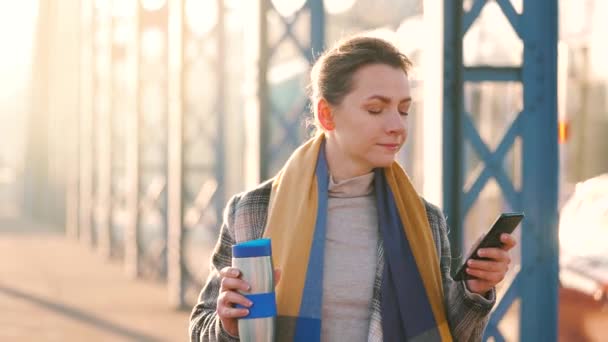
{"type": "Point", "coordinates": [338, 6]}
{"type": "Point", "coordinates": [152, 5]}
{"type": "Point", "coordinates": [201, 16]}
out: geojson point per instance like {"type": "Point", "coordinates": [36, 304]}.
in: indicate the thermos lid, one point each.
{"type": "Point", "coordinates": [252, 248]}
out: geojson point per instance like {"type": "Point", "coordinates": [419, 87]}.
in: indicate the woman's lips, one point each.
{"type": "Point", "coordinates": [391, 147]}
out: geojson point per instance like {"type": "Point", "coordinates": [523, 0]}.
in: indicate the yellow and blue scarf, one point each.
{"type": "Point", "coordinates": [412, 294]}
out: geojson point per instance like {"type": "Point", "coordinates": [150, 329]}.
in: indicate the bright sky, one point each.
{"type": "Point", "coordinates": [17, 24]}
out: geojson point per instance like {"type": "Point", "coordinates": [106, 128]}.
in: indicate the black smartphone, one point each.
{"type": "Point", "coordinates": [505, 223]}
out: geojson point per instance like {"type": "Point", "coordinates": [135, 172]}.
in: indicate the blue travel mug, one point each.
{"type": "Point", "coordinates": [254, 259]}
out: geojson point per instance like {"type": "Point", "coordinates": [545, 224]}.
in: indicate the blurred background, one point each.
{"type": "Point", "coordinates": [126, 126]}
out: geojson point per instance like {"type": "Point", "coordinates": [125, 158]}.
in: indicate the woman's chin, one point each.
{"type": "Point", "coordinates": [384, 162]}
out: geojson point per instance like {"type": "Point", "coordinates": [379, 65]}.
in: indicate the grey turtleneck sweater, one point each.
{"type": "Point", "coordinates": [350, 259]}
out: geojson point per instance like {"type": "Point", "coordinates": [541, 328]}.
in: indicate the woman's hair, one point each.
{"type": "Point", "coordinates": [331, 76]}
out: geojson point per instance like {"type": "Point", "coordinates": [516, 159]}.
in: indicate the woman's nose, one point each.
{"type": "Point", "coordinates": [395, 123]}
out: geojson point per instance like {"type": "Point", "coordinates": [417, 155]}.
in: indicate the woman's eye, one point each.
{"type": "Point", "coordinates": [374, 111]}
{"type": "Point", "coordinates": [404, 113]}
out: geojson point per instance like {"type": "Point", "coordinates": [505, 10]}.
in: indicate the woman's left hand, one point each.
{"type": "Point", "coordinates": [490, 272]}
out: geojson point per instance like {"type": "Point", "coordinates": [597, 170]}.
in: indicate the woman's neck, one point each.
{"type": "Point", "coordinates": [340, 165]}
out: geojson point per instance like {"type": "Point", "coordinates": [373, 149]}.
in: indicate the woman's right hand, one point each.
{"type": "Point", "coordinates": [231, 283]}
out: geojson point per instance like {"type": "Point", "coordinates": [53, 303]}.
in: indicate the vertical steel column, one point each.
{"type": "Point", "coordinates": [255, 90]}
{"type": "Point", "coordinates": [123, 93]}
{"type": "Point", "coordinates": [263, 54]}
{"type": "Point", "coordinates": [175, 208]}
{"type": "Point", "coordinates": [102, 104]}
{"type": "Point", "coordinates": [73, 203]}
{"type": "Point", "coordinates": [220, 141]}
{"type": "Point", "coordinates": [84, 123]}
{"type": "Point", "coordinates": [36, 166]}
{"type": "Point", "coordinates": [540, 252]}
{"type": "Point", "coordinates": [132, 163]}
{"type": "Point", "coordinates": [85, 225]}
{"type": "Point", "coordinates": [453, 143]}
{"type": "Point", "coordinates": [152, 142]}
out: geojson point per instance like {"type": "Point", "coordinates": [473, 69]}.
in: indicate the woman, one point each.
{"type": "Point", "coordinates": [362, 255]}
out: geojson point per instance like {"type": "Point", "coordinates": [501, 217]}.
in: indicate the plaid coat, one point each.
{"type": "Point", "coordinates": [245, 219]}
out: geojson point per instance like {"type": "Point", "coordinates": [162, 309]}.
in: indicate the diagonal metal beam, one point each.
{"type": "Point", "coordinates": [493, 163]}
{"type": "Point", "coordinates": [288, 24]}
{"type": "Point", "coordinates": [289, 31]}
{"type": "Point", "coordinates": [507, 141]}
{"type": "Point", "coordinates": [471, 196]}
{"type": "Point", "coordinates": [472, 14]}
{"type": "Point", "coordinates": [507, 300]}
{"type": "Point", "coordinates": [512, 16]}
{"type": "Point", "coordinates": [495, 333]}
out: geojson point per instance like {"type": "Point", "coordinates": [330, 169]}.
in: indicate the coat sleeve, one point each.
{"type": "Point", "coordinates": [205, 325]}
{"type": "Point", "coordinates": [468, 313]}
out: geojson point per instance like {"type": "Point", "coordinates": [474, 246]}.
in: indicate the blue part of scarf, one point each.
{"type": "Point", "coordinates": [406, 310]}
{"type": "Point", "coordinates": [308, 324]}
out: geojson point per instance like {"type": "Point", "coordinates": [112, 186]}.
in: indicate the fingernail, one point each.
{"type": "Point", "coordinates": [470, 263]}
{"type": "Point", "coordinates": [234, 272]}
{"type": "Point", "coordinates": [250, 303]}
{"type": "Point", "coordinates": [481, 252]}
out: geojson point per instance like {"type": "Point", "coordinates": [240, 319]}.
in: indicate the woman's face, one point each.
{"type": "Point", "coordinates": [371, 122]}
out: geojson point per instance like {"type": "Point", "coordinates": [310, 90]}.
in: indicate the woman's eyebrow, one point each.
{"type": "Point", "coordinates": [387, 99]}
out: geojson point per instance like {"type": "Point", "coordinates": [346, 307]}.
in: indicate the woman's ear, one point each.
{"type": "Point", "coordinates": [324, 115]}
